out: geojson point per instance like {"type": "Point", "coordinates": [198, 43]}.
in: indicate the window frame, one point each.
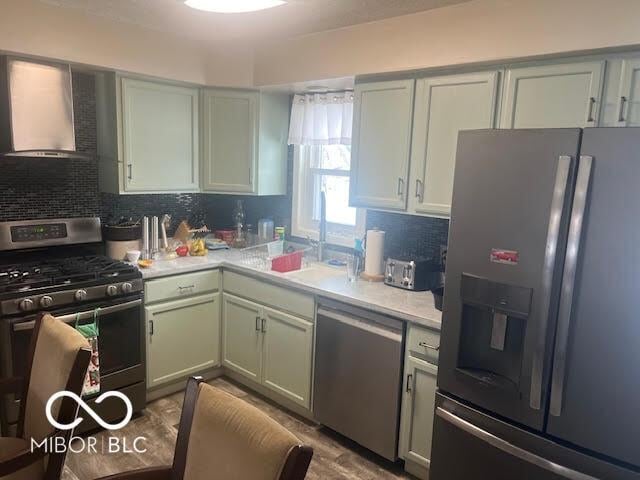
{"type": "Point", "coordinates": [302, 224]}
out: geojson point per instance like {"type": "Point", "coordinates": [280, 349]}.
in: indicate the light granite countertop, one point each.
{"type": "Point", "coordinates": [317, 279]}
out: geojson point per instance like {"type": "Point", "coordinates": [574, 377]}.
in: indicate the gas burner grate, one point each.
{"type": "Point", "coordinates": [66, 271]}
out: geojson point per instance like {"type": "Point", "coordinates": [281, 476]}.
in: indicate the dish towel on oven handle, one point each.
{"type": "Point", "coordinates": [91, 332]}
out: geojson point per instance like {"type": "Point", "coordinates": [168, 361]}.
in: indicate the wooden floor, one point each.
{"type": "Point", "coordinates": [334, 456]}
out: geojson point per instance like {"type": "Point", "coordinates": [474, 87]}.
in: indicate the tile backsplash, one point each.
{"type": "Point", "coordinates": [48, 188]}
{"type": "Point", "coordinates": [54, 188]}
{"type": "Point", "coordinates": [32, 188]}
{"type": "Point", "coordinates": [410, 236]}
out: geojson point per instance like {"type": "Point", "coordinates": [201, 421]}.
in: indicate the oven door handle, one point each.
{"type": "Point", "coordinates": [72, 317]}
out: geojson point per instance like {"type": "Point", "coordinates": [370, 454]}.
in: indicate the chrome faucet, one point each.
{"type": "Point", "coordinates": [322, 237]}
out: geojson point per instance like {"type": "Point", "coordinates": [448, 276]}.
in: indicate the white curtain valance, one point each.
{"type": "Point", "coordinates": [321, 119]}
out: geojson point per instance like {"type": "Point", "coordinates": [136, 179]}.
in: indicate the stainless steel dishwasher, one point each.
{"type": "Point", "coordinates": [358, 375]}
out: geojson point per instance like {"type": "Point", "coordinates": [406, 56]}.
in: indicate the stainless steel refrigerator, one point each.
{"type": "Point", "coordinates": [539, 371]}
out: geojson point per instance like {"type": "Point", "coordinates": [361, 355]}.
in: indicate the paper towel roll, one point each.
{"type": "Point", "coordinates": [374, 258]}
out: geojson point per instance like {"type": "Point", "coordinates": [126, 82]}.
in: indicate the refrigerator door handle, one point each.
{"type": "Point", "coordinates": [510, 448]}
{"type": "Point", "coordinates": [551, 248]}
{"type": "Point", "coordinates": [568, 284]}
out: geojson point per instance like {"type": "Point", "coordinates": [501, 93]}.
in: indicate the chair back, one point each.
{"type": "Point", "coordinates": [59, 358]}
{"type": "Point", "coordinates": [223, 434]}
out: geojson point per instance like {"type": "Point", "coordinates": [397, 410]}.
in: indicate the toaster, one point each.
{"type": "Point", "coordinates": [419, 274]}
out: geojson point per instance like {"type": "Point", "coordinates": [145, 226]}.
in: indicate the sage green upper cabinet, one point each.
{"type": "Point", "coordinates": [629, 94]}
{"type": "Point", "coordinates": [553, 96]}
{"type": "Point", "coordinates": [443, 107]}
{"type": "Point", "coordinates": [147, 136]}
{"type": "Point", "coordinates": [244, 142]}
{"type": "Point", "coordinates": [381, 145]}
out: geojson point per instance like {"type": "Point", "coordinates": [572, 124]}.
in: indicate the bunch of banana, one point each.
{"type": "Point", "coordinates": [197, 248]}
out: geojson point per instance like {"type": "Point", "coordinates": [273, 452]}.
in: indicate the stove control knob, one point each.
{"type": "Point", "coordinates": [46, 301]}
{"type": "Point", "coordinates": [126, 287]}
{"type": "Point", "coordinates": [80, 295]}
{"type": "Point", "coordinates": [26, 305]}
{"type": "Point", "coordinates": [112, 290]}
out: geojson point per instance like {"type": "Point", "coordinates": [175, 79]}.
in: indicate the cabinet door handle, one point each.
{"type": "Point", "coordinates": [409, 382]}
{"type": "Point", "coordinates": [129, 171]}
{"type": "Point", "coordinates": [400, 187]}
{"type": "Point", "coordinates": [188, 287]}
{"type": "Point", "coordinates": [592, 103]}
{"type": "Point", "coordinates": [432, 347]}
{"type": "Point", "coordinates": [258, 323]}
{"type": "Point", "coordinates": [151, 328]}
{"type": "Point", "coordinates": [264, 325]}
{"type": "Point", "coordinates": [623, 101]}
{"type": "Point", "coordinates": [419, 189]}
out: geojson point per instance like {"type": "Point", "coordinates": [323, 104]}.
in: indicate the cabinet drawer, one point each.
{"type": "Point", "coordinates": [268, 294]}
{"type": "Point", "coordinates": [423, 343]}
{"type": "Point", "coordinates": [181, 286]}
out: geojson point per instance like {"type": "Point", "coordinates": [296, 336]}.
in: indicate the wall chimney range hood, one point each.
{"type": "Point", "coordinates": [36, 110]}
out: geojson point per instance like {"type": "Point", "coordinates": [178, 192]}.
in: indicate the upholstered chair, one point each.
{"type": "Point", "coordinates": [58, 360]}
{"type": "Point", "coordinates": [222, 437]}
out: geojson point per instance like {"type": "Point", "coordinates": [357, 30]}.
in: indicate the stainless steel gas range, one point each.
{"type": "Point", "coordinates": [57, 266]}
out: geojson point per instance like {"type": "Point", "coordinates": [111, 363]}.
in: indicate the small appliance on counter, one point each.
{"type": "Point", "coordinates": [419, 274]}
{"type": "Point", "coordinates": [121, 236]}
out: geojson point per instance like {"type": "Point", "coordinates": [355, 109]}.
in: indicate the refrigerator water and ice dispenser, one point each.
{"type": "Point", "coordinates": [493, 328]}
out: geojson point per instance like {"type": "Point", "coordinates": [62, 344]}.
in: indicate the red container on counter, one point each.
{"type": "Point", "coordinates": [227, 236]}
{"type": "Point", "coordinates": [287, 262]}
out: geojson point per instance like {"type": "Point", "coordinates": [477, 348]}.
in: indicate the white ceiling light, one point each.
{"type": "Point", "coordinates": [233, 6]}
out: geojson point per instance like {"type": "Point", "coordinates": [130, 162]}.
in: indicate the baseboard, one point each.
{"type": "Point", "coordinates": [265, 392]}
{"type": "Point", "coordinates": [180, 385]}
{"type": "Point", "coordinates": [416, 470]}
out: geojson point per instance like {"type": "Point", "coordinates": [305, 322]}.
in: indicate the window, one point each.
{"type": "Point", "coordinates": [324, 168]}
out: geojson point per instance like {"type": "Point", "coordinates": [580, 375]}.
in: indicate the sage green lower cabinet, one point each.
{"type": "Point", "coordinates": [183, 338]}
{"type": "Point", "coordinates": [418, 403]}
{"type": "Point", "coordinates": [287, 355]}
{"type": "Point", "coordinates": [269, 347]}
{"type": "Point", "coordinates": [242, 336]}
{"type": "Point", "coordinates": [418, 400]}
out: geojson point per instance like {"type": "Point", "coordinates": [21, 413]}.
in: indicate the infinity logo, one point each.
{"type": "Point", "coordinates": [89, 410]}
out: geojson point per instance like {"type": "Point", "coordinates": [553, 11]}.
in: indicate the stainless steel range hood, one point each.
{"type": "Point", "coordinates": [36, 109]}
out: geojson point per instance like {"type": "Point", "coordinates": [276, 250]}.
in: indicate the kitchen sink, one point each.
{"type": "Point", "coordinates": [315, 273]}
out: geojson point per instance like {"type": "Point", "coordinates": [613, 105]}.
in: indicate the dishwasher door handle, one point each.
{"type": "Point", "coordinates": [362, 324]}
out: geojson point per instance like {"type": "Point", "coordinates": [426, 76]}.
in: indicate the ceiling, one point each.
{"type": "Point", "coordinates": [297, 17]}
